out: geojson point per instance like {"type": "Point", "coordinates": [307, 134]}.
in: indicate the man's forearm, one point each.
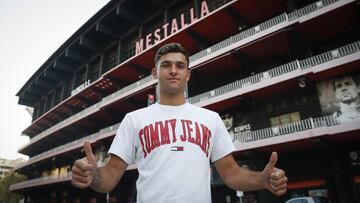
{"type": "Point", "coordinates": [103, 181]}
{"type": "Point", "coordinates": [245, 180]}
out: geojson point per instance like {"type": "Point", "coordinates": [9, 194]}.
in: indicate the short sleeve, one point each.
{"type": "Point", "coordinates": [222, 144]}
{"type": "Point", "coordinates": [123, 143]}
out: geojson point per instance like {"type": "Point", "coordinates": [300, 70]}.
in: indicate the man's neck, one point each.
{"type": "Point", "coordinates": [349, 108]}
{"type": "Point", "coordinates": [172, 100]}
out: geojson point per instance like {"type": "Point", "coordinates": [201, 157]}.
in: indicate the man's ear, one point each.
{"type": "Point", "coordinates": [154, 73]}
{"type": "Point", "coordinates": [189, 75]}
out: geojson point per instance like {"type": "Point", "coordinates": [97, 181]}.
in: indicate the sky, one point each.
{"type": "Point", "coordinates": [30, 32]}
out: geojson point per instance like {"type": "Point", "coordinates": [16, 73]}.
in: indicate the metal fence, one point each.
{"type": "Point", "coordinates": [257, 78]}
{"type": "Point", "coordinates": [285, 129]}
{"type": "Point", "coordinates": [69, 145]}
{"type": "Point", "coordinates": [330, 55]}
{"type": "Point", "coordinates": [310, 8]}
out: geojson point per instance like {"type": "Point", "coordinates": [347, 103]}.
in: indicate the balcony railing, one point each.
{"type": "Point", "coordinates": [40, 181]}
{"type": "Point", "coordinates": [239, 37]}
{"type": "Point", "coordinates": [219, 47]}
{"type": "Point", "coordinates": [71, 145]}
{"type": "Point", "coordinates": [244, 137]}
{"type": "Point", "coordinates": [50, 179]}
{"type": "Point", "coordinates": [299, 126]}
{"type": "Point", "coordinates": [302, 66]}
{"type": "Point", "coordinates": [310, 8]}
{"type": "Point", "coordinates": [126, 91]}
{"type": "Point", "coordinates": [330, 55]}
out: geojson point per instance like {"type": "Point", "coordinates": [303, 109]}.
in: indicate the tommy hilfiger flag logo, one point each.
{"type": "Point", "coordinates": [177, 148]}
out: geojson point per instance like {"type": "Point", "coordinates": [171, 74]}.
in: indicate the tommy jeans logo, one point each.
{"type": "Point", "coordinates": [177, 148]}
{"type": "Point", "coordinates": [161, 133]}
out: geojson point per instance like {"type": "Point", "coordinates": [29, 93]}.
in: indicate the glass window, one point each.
{"type": "Point", "coordinates": [94, 69]}
{"type": "Point", "coordinates": [58, 93]}
{"type": "Point", "coordinates": [49, 101]}
{"type": "Point", "coordinates": [80, 77]}
{"type": "Point", "coordinates": [182, 7]}
{"type": "Point", "coordinates": [130, 46]}
{"type": "Point", "coordinates": [110, 58]}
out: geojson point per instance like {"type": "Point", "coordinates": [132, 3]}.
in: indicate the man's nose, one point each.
{"type": "Point", "coordinates": [173, 69]}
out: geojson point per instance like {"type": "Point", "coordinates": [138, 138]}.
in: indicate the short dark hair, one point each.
{"type": "Point", "coordinates": [171, 48]}
{"type": "Point", "coordinates": [355, 79]}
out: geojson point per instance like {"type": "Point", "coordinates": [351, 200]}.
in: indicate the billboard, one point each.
{"type": "Point", "coordinates": [237, 124]}
{"type": "Point", "coordinates": [340, 97]}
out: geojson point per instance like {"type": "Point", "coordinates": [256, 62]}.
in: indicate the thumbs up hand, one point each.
{"type": "Point", "coordinates": [84, 169]}
{"type": "Point", "coordinates": [274, 178]}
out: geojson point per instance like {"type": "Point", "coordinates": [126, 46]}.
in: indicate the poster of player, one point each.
{"type": "Point", "coordinates": [340, 97]}
{"type": "Point", "coordinates": [236, 124]}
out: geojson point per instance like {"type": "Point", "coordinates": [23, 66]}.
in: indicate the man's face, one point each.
{"type": "Point", "coordinates": [172, 73]}
{"type": "Point", "coordinates": [346, 90]}
{"type": "Point", "coordinates": [228, 121]}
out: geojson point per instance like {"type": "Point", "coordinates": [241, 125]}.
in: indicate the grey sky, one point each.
{"type": "Point", "coordinates": [30, 31]}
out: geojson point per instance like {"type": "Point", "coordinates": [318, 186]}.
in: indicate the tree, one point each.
{"type": "Point", "coordinates": [5, 182]}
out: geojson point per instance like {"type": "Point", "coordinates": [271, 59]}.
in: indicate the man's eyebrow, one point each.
{"type": "Point", "coordinates": [177, 62]}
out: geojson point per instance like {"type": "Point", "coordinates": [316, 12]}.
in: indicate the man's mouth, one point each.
{"type": "Point", "coordinates": [173, 79]}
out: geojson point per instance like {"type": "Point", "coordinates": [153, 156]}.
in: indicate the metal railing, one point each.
{"type": "Point", "coordinates": [90, 109]}
{"type": "Point", "coordinates": [240, 36]}
{"type": "Point", "coordinates": [35, 181]}
{"type": "Point", "coordinates": [310, 8]}
{"type": "Point", "coordinates": [69, 145]}
{"type": "Point", "coordinates": [244, 137]}
{"type": "Point", "coordinates": [45, 179]}
{"type": "Point", "coordinates": [128, 88]}
{"type": "Point", "coordinates": [277, 71]}
{"type": "Point", "coordinates": [330, 55]}
{"type": "Point", "coordinates": [257, 78]}
{"type": "Point", "coordinates": [285, 129]}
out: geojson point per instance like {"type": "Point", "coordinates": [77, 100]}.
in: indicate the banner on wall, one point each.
{"type": "Point", "coordinates": [236, 124]}
{"type": "Point", "coordinates": [340, 97]}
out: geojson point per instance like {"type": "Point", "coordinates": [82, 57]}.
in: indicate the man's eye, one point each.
{"type": "Point", "coordinates": [181, 66]}
{"type": "Point", "coordinates": [164, 65]}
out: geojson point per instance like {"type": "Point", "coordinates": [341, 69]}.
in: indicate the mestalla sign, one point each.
{"type": "Point", "coordinates": [170, 28]}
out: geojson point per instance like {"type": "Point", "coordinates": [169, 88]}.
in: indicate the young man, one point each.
{"type": "Point", "coordinates": [172, 143]}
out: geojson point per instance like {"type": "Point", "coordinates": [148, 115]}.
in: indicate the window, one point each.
{"type": "Point", "coordinates": [110, 58]}
{"type": "Point", "coordinates": [285, 118]}
{"type": "Point", "coordinates": [130, 46]}
{"type": "Point", "coordinates": [49, 101]}
{"type": "Point", "coordinates": [80, 77]}
{"type": "Point", "coordinates": [41, 107]}
{"type": "Point", "coordinates": [182, 7]}
{"type": "Point", "coordinates": [94, 69]}
{"type": "Point", "coordinates": [36, 112]}
{"type": "Point", "coordinates": [58, 92]}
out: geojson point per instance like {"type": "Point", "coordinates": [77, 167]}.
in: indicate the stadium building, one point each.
{"type": "Point", "coordinates": [283, 75]}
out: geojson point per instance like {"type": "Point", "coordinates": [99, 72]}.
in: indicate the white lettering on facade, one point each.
{"type": "Point", "coordinates": [174, 26]}
{"type": "Point", "coordinates": [80, 87]}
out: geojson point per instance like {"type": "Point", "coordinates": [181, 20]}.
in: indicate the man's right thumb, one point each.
{"type": "Point", "coordinates": [88, 152]}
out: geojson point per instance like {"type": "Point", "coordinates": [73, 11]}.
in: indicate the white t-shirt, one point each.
{"type": "Point", "coordinates": [172, 147]}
